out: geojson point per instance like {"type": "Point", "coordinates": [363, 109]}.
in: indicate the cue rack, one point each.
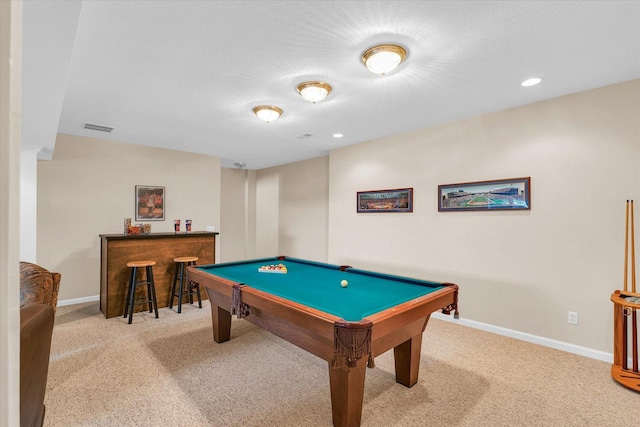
{"type": "Point", "coordinates": [625, 320]}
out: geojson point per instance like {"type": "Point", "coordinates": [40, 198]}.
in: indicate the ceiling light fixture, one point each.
{"type": "Point", "coordinates": [268, 113]}
{"type": "Point", "coordinates": [314, 91]}
{"type": "Point", "coordinates": [338, 135]}
{"type": "Point", "coordinates": [383, 58]}
{"type": "Point", "coordinates": [531, 82]}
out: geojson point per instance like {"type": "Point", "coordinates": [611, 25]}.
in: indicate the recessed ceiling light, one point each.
{"type": "Point", "coordinates": [383, 58]}
{"type": "Point", "coordinates": [268, 113]}
{"type": "Point", "coordinates": [338, 135]}
{"type": "Point", "coordinates": [314, 91]}
{"type": "Point", "coordinates": [531, 82]}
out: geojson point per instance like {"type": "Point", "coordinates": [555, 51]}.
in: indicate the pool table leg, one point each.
{"type": "Point", "coordinates": [221, 320]}
{"type": "Point", "coordinates": [407, 360]}
{"type": "Point", "coordinates": [347, 392]}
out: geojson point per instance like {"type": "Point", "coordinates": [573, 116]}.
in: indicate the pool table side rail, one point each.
{"type": "Point", "coordinates": [395, 278]}
{"type": "Point", "coordinates": [395, 325]}
{"type": "Point", "coordinates": [318, 264]}
{"type": "Point", "coordinates": [445, 309]}
{"type": "Point", "coordinates": [436, 300]}
{"type": "Point", "coordinates": [231, 263]}
{"type": "Point", "coordinates": [225, 287]}
{"type": "Point", "coordinates": [312, 329]}
{"type": "Point", "coordinates": [305, 327]}
{"type": "Point", "coordinates": [272, 260]}
{"type": "Point", "coordinates": [441, 299]}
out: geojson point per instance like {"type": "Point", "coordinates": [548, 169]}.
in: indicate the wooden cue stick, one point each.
{"type": "Point", "coordinates": [634, 339]}
{"type": "Point", "coordinates": [633, 253]}
{"type": "Point", "coordinates": [625, 351]}
{"type": "Point", "coordinates": [634, 316]}
{"type": "Point", "coordinates": [626, 245]}
{"type": "Point", "coordinates": [624, 337]}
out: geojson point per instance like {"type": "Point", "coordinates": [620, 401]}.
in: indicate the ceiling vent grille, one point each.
{"type": "Point", "coordinates": [101, 128]}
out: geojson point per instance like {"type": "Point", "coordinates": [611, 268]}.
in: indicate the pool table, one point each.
{"type": "Point", "coordinates": [345, 325]}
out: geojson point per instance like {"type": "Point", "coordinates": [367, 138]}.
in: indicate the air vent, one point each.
{"type": "Point", "coordinates": [304, 136]}
{"type": "Point", "coordinates": [101, 128]}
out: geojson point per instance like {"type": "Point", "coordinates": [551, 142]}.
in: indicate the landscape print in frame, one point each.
{"type": "Point", "coordinates": [501, 194]}
{"type": "Point", "coordinates": [398, 200]}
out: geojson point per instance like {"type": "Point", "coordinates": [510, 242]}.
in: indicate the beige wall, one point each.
{"type": "Point", "coordinates": [276, 211]}
{"type": "Point", "coordinates": [518, 270]}
{"type": "Point", "coordinates": [267, 214]}
{"type": "Point", "coordinates": [237, 214]}
{"type": "Point", "coordinates": [87, 189]}
{"type": "Point", "coordinates": [10, 125]}
{"type": "Point", "coordinates": [299, 218]}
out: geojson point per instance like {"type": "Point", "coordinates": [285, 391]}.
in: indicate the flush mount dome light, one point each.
{"type": "Point", "coordinates": [383, 58]}
{"type": "Point", "coordinates": [268, 113]}
{"type": "Point", "coordinates": [314, 91]}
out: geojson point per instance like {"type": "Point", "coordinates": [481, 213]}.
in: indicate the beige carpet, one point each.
{"type": "Point", "coordinates": [170, 372]}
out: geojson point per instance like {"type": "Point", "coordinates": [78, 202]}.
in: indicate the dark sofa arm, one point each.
{"type": "Point", "coordinates": [37, 284]}
{"type": "Point", "coordinates": [36, 327]}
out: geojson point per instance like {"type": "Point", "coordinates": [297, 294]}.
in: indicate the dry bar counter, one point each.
{"type": "Point", "coordinates": [117, 249]}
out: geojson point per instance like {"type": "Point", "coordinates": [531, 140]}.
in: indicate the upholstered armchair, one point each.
{"type": "Point", "coordinates": [38, 301]}
{"type": "Point", "coordinates": [36, 328]}
{"type": "Point", "coordinates": [39, 285]}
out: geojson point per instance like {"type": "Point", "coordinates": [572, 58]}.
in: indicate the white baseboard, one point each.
{"type": "Point", "coordinates": [546, 342]}
{"type": "Point", "coordinates": [64, 302]}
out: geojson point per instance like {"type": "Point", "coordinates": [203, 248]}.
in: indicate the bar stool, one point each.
{"type": "Point", "coordinates": [186, 287]}
{"type": "Point", "coordinates": [147, 266]}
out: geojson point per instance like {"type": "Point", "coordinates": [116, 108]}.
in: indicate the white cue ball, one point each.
{"type": "Point", "coordinates": [344, 283]}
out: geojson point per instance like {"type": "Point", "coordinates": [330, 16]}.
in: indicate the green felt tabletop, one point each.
{"type": "Point", "coordinates": [317, 285]}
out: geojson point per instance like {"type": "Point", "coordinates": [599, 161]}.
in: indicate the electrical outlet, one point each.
{"type": "Point", "coordinates": [573, 318]}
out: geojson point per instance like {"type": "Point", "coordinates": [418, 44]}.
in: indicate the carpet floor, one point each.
{"type": "Point", "coordinates": [170, 372]}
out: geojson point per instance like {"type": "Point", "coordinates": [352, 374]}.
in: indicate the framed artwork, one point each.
{"type": "Point", "coordinates": [398, 200]}
{"type": "Point", "coordinates": [501, 194]}
{"type": "Point", "coordinates": [149, 203]}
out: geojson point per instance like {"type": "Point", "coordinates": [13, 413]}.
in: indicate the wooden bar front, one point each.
{"type": "Point", "coordinates": [117, 249]}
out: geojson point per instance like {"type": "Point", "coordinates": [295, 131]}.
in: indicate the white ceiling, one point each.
{"type": "Point", "coordinates": [185, 75]}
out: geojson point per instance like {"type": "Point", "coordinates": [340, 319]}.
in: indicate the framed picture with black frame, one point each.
{"type": "Point", "coordinates": [500, 194]}
{"type": "Point", "coordinates": [397, 200]}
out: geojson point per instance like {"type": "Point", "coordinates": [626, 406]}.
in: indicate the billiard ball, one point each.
{"type": "Point", "coordinates": [344, 283]}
